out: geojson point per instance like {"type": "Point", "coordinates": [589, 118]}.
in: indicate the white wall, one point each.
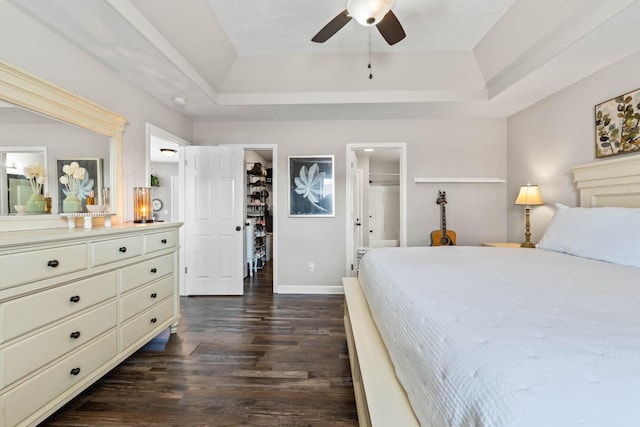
{"type": "Point", "coordinates": [548, 138]}
{"type": "Point", "coordinates": [436, 148]}
{"type": "Point", "coordinates": [27, 44]}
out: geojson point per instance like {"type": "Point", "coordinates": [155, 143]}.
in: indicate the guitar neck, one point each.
{"type": "Point", "coordinates": [443, 220]}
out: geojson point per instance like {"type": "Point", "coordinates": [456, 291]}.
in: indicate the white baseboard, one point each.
{"type": "Point", "coordinates": [320, 290]}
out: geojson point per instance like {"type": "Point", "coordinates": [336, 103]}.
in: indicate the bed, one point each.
{"type": "Point", "coordinates": [507, 337]}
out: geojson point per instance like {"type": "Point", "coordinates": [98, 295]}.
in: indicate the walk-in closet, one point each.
{"type": "Point", "coordinates": [258, 212]}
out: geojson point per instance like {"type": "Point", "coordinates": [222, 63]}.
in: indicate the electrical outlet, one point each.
{"type": "Point", "coordinates": [312, 267]}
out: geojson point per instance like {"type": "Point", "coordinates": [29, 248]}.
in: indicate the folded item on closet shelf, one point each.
{"type": "Point", "coordinates": [256, 170]}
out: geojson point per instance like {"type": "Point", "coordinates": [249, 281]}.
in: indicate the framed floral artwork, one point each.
{"type": "Point", "coordinates": [311, 186]}
{"type": "Point", "coordinates": [91, 180]}
{"type": "Point", "coordinates": [617, 125]}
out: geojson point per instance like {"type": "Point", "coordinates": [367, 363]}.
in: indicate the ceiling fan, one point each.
{"type": "Point", "coordinates": [367, 13]}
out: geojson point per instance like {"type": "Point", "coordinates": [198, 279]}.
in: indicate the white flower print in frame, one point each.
{"type": "Point", "coordinates": [91, 180]}
{"type": "Point", "coordinates": [311, 186]}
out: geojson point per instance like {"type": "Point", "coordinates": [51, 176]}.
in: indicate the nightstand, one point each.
{"type": "Point", "coordinates": [502, 245]}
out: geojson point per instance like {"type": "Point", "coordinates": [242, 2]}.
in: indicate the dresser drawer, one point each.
{"type": "Point", "coordinates": [34, 311]}
{"type": "Point", "coordinates": [145, 271]}
{"type": "Point", "coordinates": [146, 323]}
{"type": "Point", "coordinates": [25, 399]}
{"type": "Point", "coordinates": [144, 298]}
{"type": "Point", "coordinates": [116, 250]}
{"type": "Point", "coordinates": [158, 241]}
{"type": "Point", "coordinates": [25, 267]}
{"type": "Point", "coordinates": [30, 354]}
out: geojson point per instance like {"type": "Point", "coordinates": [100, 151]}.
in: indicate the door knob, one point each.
{"type": "Point", "coordinates": [238, 228]}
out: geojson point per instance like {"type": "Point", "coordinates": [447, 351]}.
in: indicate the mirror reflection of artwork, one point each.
{"type": "Point", "coordinates": [19, 191]}
{"type": "Point", "coordinates": [311, 186]}
{"type": "Point", "coordinates": [14, 184]}
{"type": "Point", "coordinates": [91, 181]}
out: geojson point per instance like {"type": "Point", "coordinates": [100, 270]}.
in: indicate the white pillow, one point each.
{"type": "Point", "coordinates": [605, 234]}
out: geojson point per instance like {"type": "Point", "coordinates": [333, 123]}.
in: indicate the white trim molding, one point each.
{"type": "Point", "coordinates": [458, 180]}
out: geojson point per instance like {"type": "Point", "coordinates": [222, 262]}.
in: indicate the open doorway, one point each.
{"type": "Point", "coordinates": [260, 212]}
{"type": "Point", "coordinates": [376, 199]}
{"type": "Point", "coordinates": [175, 210]}
{"type": "Point", "coordinates": [164, 173]}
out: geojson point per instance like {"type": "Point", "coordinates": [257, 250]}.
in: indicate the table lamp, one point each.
{"type": "Point", "coordinates": [529, 196]}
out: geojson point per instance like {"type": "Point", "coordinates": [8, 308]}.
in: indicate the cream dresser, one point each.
{"type": "Point", "coordinates": [74, 303]}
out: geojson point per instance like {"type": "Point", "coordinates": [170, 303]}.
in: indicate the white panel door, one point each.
{"type": "Point", "coordinates": [213, 220]}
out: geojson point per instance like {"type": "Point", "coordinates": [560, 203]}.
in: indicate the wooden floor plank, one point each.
{"type": "Point", "coordinates": [256, 360]}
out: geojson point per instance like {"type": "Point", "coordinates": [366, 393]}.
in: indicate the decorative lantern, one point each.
{"type": "Point", "coordinates": [142, 212]}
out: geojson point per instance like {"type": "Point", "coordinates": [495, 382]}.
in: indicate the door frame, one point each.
{"type": "Point", "coordinates": [274, 207]}
{"type": "Point", "coordinates": [349, 196]}
{"type": "Point", "coordinates": [152, 130]}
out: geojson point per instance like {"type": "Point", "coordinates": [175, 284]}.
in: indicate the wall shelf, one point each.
{"type": "Point", "coordinates": [458, 180]}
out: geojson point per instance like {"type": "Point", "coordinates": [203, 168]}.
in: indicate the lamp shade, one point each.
{"type": "Point", "coordinates": [368, 12]}
{"type": "Point", "coordinates": [529, 196]}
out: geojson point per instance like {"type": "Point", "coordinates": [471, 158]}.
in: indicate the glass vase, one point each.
{"type": "Point", "coordinates": [36, 204]}
{"type": "Point", "coordinates": [71, 203]}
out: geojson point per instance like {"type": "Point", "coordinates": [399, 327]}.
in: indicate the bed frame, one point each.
{"type": "Point", "coordinates": [380, 398]}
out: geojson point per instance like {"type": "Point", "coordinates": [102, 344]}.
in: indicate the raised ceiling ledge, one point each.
{"type": "Point", "coordinates": [384, 97]}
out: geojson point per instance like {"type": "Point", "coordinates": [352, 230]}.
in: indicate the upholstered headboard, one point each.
{"type": "Point", "coordinates": [613, 182]}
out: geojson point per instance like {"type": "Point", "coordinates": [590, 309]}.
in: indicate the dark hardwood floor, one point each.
{"type": "Point", "coordinates": [256, 360]}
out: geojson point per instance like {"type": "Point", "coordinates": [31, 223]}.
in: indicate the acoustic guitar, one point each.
{"type": "Point", "coordinates": [443, 237]}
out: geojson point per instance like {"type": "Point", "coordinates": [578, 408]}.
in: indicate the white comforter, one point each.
{"type": "Point", "coordinates": [485, 336]}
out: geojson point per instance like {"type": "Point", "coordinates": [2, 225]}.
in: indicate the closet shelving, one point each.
{"type": "Point", "coordinates": [256, 220]}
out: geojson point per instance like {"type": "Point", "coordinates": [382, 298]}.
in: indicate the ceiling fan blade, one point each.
{"type": "Point", "coordinates": [391, 29]}
{"type": "Point", "coordinates": [332, 27]}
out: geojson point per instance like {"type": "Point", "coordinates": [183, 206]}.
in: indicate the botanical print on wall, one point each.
{"type": "Point", "coordinates": [617, 125]}
{"type": "Point", "coordinates": [311, 186]}
{"type": "Point", "coordinates": [91, 180]}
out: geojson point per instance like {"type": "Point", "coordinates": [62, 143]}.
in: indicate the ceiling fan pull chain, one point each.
{"type": "Point", "coordinates": [370, 57]}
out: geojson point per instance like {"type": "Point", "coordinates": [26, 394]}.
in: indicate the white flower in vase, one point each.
{"type": "Point", "coordinates": [37, 177]}
{"type": "Point", "coordinates": [76, 180]}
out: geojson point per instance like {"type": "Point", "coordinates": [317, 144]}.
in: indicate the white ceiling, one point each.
{"type": "Point", "coordinates": [253, 59]}
{"type": "Point", "coordinates": [267, 27]}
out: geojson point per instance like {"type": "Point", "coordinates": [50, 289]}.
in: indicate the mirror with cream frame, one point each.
{"type": "Point", "coordinates": [80, 129]}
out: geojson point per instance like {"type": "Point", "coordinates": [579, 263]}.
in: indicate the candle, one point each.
{"type": "Point", "coordinates": [142, 205]}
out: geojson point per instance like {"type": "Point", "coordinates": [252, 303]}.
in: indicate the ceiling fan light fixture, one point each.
{"type": "Point", "coordinates": [369, 12]}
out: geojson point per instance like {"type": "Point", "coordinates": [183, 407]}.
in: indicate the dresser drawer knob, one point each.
{"type": "Point", "coordinates": [75, 298]}
{"type": "Point", "coordinates": [75, 371]}
{"type": "Point", "coordinates": [154, 270]}
{"type": "Point", "coordinates": [154, 295]}
{"type": "Point", "coordinates": [154, 320]}
{"type": "Point", "coordinates": [53, 263]}
{"type": "Point", "coordinates": [123, 249]}
{"type": "Point", "coordinates": [163, 241]}
{"type": "Point", "coordinates": [75, 335]}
